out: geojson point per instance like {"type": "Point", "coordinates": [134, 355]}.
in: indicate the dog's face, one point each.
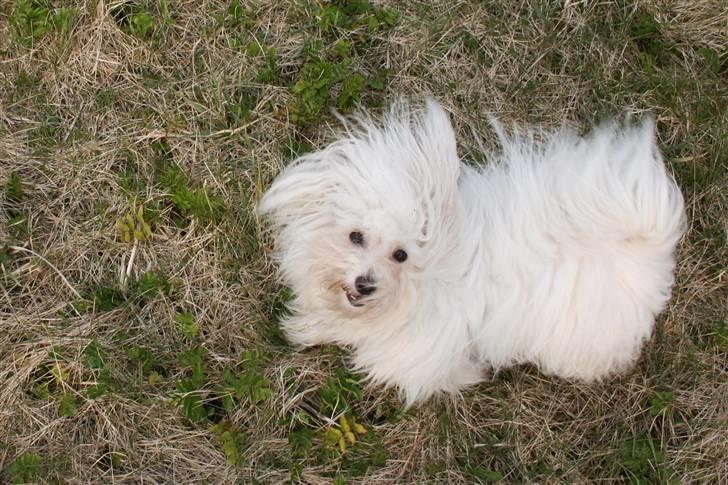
{"type": "Point", "coordinates": [358, 223]}
{"type": "Point", "coordinates": [363, 264]}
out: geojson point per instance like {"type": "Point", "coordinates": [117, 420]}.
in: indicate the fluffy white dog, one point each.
{"type": "Point", "coordinates": [558, 252]}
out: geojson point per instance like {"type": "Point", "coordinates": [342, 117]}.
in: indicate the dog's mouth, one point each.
{"type": "Point", "coordinates": [353, 297]}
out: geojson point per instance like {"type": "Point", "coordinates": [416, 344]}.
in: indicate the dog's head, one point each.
{"type": "Point", "coordinates": [359, 224]}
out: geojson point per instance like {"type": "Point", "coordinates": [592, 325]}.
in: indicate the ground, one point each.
{"type": "Point", "coordinates": [139, 308]}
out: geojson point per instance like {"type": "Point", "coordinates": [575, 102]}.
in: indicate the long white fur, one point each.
{"type": "Point", "coordinates": [558, 252]}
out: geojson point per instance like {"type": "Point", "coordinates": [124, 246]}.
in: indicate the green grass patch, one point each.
{"type": "Point", "coordinates": [643, 461]}
{"type": "Point", "coordinates": [13, 188]}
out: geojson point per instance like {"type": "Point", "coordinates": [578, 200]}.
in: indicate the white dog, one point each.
{"type": "Point", "coordinates": [558, 252]}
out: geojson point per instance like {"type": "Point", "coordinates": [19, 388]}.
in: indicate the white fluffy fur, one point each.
{"type": "Point", "coordinates": [558, 252]}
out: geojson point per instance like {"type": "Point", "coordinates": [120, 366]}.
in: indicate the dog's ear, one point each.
{"type": "Point", "coordinates": [437, 167]}
{"type": "Point", "coordinates": [436, 137]}
{"type": "Point", "coordinates": [300, 190]}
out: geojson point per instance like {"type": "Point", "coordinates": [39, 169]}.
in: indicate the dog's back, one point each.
{"type": "Point", "coordinates": [579, 250]}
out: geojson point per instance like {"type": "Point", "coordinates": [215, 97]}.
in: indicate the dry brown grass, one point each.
{"type": "Point", "coordinates": [84, 119]}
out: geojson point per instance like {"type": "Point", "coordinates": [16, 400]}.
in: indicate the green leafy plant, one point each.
{"type": "Point", "coordinates": [337, 15]}
{"type": "Point", "coordinates": [141, 24]}
{"type": "Point", "coordinates": [97, 363]}
{"type": "Point", "coordinates": [351, 91]}
{"type": "Point", "coordinates": [187, 325]}
{"type": "Point", "coordinates": [485, 475]}
{"type": "Point", "coordinates": [190, 202]}
{"type": "Point", "coordinates": [663, 402]}
{"type": "Point", "coordinates": [239, 106]}
{"type": "Point", "coordinates": [102, 299]}
{"type": "Point", "coordinates": [269, 73]}
{"type": "Point", "coordinates": [143, 359]}
{"type": "Point", "coordinates": [232, 440]}
{"type": "Point", "coordinates": [32, 19]}
{"type": "Point", "coordinates": [717, 337]}
{"type": "Point", "coordinates": [300, 441]}
{"type": "Point", "coordinates": [340, 391]}
{"type": "Point", "coordinates": [64, 19]}
{"type": "Point", "coordinates": [328, 68]}
{"type": "Point", "coordinates": [150, 284]}
{"type": "Point", "coordinates": [26, 468]}
{"type": "Point", "coordinates": [344, 435]}
{"type": "Point", "coordinates": [67, 404]}
{"type": "Point", "coordinates": [250, 383]}
{"type": "Point", "coordinates": [315, 81]}
{"type": "Point", "coordinates": [190, 393]}
{"type": "Point", "coordinates": [135, 19]}
{"type": "Point", "coordinates": [190, 398]}
{"type": "Point", "coordinates": [236, 16]}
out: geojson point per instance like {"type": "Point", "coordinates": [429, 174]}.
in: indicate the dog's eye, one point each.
{"type": "Point", "coordinates": [400, 256]}
{"type": "Point", "coordinates": [357, 238]}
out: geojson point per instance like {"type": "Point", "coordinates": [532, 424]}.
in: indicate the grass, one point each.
{"type": "Point", "coordinates": [138, 335]}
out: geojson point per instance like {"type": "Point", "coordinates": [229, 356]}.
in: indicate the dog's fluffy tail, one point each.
{"type": "Point", "coordinates": [599, 220]}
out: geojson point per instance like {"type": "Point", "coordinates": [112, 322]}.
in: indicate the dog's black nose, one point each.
{"type": "Point", "coordinates": [364, 285]}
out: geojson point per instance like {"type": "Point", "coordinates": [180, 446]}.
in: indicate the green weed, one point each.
{"type": "Point", "coordinates": [250, 383]}
{"type": "Point", "coordinates": [97, 363]}
{"type": "Point", "coordinates": [352, 89]}
{"type": "Point", "coordinates": [357, 15]}
{"type": "Point", "coordinates": [32, 19]}
{"type": "Point", "coordinates": [132, 226]}
{"type": "Point", "coordinates": [26, 468]}
{"type": "Point", "coordinates": [150, 284]}
{"type": "Point", "coordinates": [328, 68]}
{"type": "Point", "coordinates": [662, 403]}
{"type": "Point", "coordinates": [102, 299]}
{"type": "Point", "coordinates": [239, 106]}
{"type": "Point", "coordinates": [717, 337]}
{"type": "Point", "coordinates": [300, 441]}
{"type": "Point", "coordinates": [141, 24]}
{"type": "Point", "coordinates": [713, 59]}
{"type": "Point", "coordinates": [643, 460]}
{"type": "Point", "coordinates": [269, 73]}
{"type": "Point", "coordinates": [340, 391]}
{"type": "Point", "coordinates": [143, 359]}
{"type": "Point", "coordinates": [313, 87]}
{"type": "Point", "coordinates": [13, 188]}
{"type": "Point", "coordinates": [67, 404]}
{"type": "Point", "coordinates": [236, 16]}
{"type": "Point", "coordinates": [135, 20]}
{"type": "Point", "coordinates": [187, 325]}
{"type": "Point", "coordinates": [232, 440]}
{"type": "Point", "coordinates": [65, 19]}
{"type": "Point", "coordinates": [190, 394]}
{"type": "Point", "coordinates": [106, 97]}
{"type": "Point", "coordinates": [134, 185]}
{"type": "Point", "coordinates": [190, 202]}
{"type": "Point", "coordinates": [25, 83]}
{"type": "Point", "coordinates": [368, 452]}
